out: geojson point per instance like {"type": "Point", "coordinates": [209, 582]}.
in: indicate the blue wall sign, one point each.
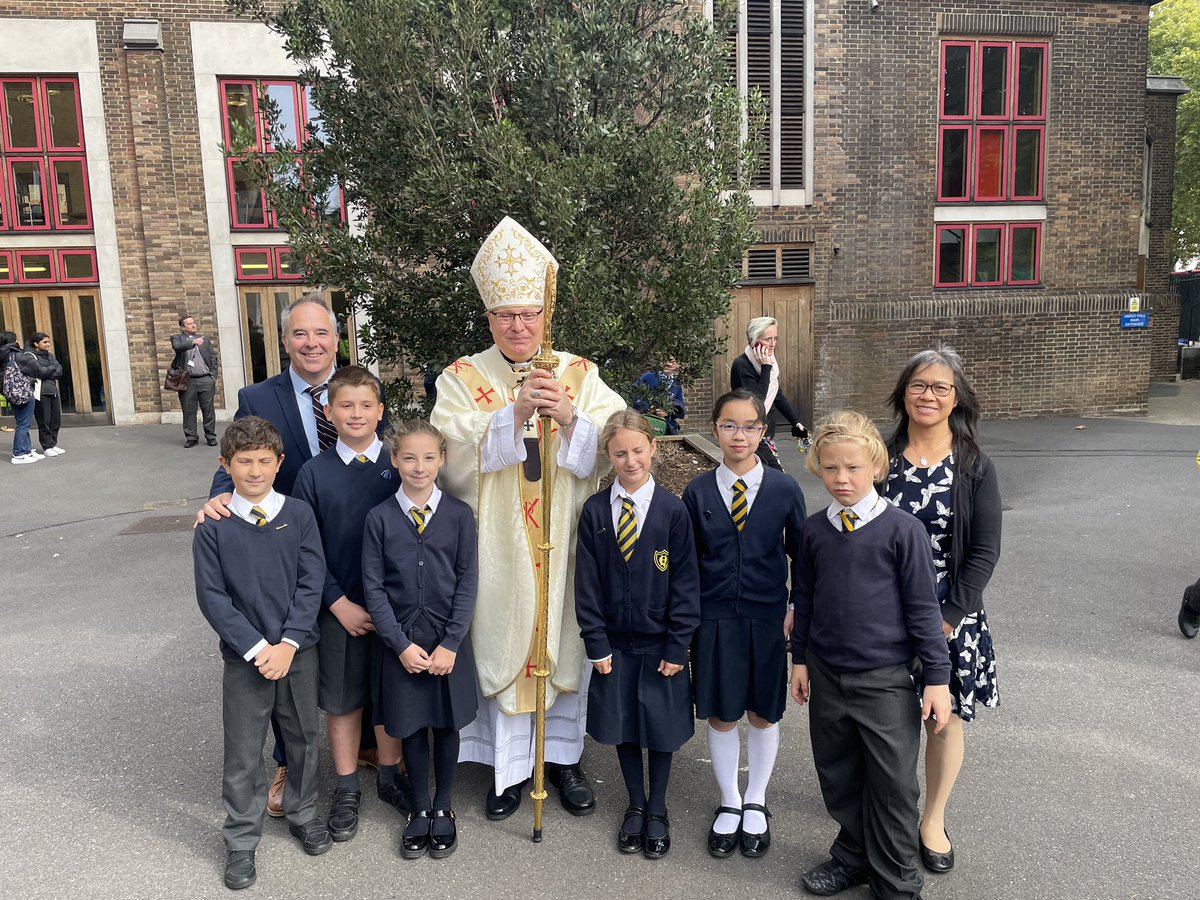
{"type": "Point", "coordinates": [1135, 320]}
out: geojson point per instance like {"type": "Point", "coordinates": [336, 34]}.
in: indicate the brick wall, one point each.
{"type": "Point", "coordinates": [1164, 318]}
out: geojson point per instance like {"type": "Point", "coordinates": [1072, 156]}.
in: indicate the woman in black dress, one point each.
{"type": "Point", "coordinates": [756, 371]}
{"type": "Point", "coordinates": [939, 474]}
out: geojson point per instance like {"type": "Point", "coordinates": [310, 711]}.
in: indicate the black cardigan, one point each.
{"type": "Point", "coordinates": [742, 375]}
{"type": "Point", "coordinates": [975, 542]}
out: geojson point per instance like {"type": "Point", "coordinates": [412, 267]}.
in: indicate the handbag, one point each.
{"type": "Point", "coordinates": [177, 380]}
{"type": "Point", "coordinates": [17, 386]}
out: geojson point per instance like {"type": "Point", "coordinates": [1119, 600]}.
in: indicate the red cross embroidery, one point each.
{"type": "Point", "coordinates": [529, 508]}
{"type": "Point", "coordinates": [581, 362]}
{"type": "Point", "coordinates": [529, 667]}
{"type": "Point", "coordinates": [567, 391]}
{"type": "Point", "coordinates": [458, 365]}
{"type": "Point", "coordinates": [485, 395]}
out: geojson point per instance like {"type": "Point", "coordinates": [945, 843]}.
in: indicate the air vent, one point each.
{"type": "Point", "coordinates": [796, 262]}
{"type": "Point", "coordinates": [761, 264]}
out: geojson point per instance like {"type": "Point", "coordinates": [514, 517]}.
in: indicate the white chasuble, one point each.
{"type": "Point", "coordinates": [469, 393]}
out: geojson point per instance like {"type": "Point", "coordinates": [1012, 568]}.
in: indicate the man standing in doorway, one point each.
{"type": "Point", "coordinates": [194, 354]}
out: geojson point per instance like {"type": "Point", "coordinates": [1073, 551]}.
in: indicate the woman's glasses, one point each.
{"type": "Point", "coordinates": [939, 388]}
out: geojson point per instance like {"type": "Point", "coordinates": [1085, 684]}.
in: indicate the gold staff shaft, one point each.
{"type": "Point", "coordinates": [548, 361]}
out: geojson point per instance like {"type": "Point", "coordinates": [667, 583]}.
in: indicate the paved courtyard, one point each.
{"type": "Point", "coordinates": [1082, 785]}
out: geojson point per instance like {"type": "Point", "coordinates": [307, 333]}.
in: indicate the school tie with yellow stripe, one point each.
{"type": "Point", "coordinates": [739, 509]}
{"type": "Point", "coordinates": [627, 529]}
{"type": "Point", "coordinates": [363, 458]}
{"type": "Point", "coordinates": [260, 516]}
{"type": "Point", "coordinates": [419, 518]}
{"type": "Point", "coordinates": [849, 517]}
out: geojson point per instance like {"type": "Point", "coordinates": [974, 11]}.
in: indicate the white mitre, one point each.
{"type": "Point", "coordinates": [510, 267]}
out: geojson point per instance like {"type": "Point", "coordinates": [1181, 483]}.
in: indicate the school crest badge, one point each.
{"type": "Point", "coordinates": [660, 560]}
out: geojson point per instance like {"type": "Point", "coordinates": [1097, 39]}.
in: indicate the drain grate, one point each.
{"type": "Point", "coordinates": [160, 525]}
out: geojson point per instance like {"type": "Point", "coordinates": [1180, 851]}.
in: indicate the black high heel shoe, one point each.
{"type": "Point", "coordinates": [415, 841]}
{"type": "Point", "coordinates": [656, 848]}
{"type": "Point", "coordinates": [722, 845]}
{"type": "Point", "coordinates": [938, 863]}
{"type": "Point", "coordinates": [442, 845]}
{"type": "Point", "coordinates": [631, 841]}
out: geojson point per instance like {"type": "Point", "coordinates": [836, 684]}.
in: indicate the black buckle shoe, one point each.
{"type": "Point", "coordinates": [573, 788]}
{"type": "Point", "coordinates": [656, 848]}
{"type": "Point", "coordinates": [755, 845]}
{"type": "Point", "coordinates": [629, 841]}
{"type": "Point", "coordinates": [938, 863]}
{"type": "Point", "coordinates": [722, 845]}
{"type": "Point", "coordinates": [832, 877]}
{"type": "Point", "coordinates": [239, 869]}
{"type": "Point", "coordinates": [415, 840]}
{"type": "Point", "coordinates": [442, 845]}
{"type": "Point", "coordinates": [343, 815]}
{"type": "Point", "coordinates": [399, 794]}
{"type": "Point", "coordinates": [502, 805]}
{"type": "Point", "coordinates": [313, 835]}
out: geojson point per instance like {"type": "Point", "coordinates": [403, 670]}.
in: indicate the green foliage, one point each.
{"type": "Point", "coordinates": [608, 128]}
{"type": "Point", "coordinates": [1175, 50]}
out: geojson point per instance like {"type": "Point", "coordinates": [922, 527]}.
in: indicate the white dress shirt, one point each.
{"type": "Point", "coordinates": [753, 480]}
{"type": "Point", "coordinates": [348, 456]}
{"type": "Point", "coordinates": [407, 503]}
{"type": "Point", "coordinates": [868, 508]}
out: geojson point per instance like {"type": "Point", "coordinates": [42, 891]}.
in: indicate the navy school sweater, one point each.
{"type": "Point", "coordinates": [341, 496]}
{"type": "Point", "coordinates": [649, 602]}
{"type": "Point", "coordinates": [260, 583]}
{"type": "Point", "coordinates": [744, 573]}
{"type": "Point", "coordinates": [867, 599]}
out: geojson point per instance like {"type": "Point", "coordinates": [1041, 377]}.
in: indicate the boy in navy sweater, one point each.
{"type": "Point", "coordinates": [259, 575]}
{"type": "Point", "coordinates": [866, 622]}
{"type": "Point", "coordinates": [342, 484]}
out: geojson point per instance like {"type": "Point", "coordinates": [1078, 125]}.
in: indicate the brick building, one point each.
{"type": "Point", "coordinates": [992, 174]}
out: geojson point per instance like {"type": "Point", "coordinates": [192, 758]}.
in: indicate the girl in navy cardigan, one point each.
{"type": "Point", "coordinates": [637, 602]}
{"type": "Point", "coordinates": [747, 520]}
{"type": "Point", "coordinates": [420, 573]}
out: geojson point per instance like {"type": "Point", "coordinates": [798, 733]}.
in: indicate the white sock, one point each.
{"type": "Point", "coordinates": [762, 744]}
{"type": "Point", "coordinates": [725, 748]}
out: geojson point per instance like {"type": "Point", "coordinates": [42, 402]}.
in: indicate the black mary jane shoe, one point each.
{"type": "Point", "coordinates": [442, 845]}
{"type": "Point", "coordinates": [938, 863]}
{"type": "Point", "coordinates": [656, 848]}
{"type": "Point", "coordinates": [631, 841]}
{"type": "Point", "coordinates": [573, 788]}
{"type": "Point", "coordinates": [239, 869]}
{"type": "Point", "coordinates": [502, 805]}
{"type": "Point", "coordinates": [756, 845]}
{"type": "Point", "coordinates": [722, 845]}
{"type": "Point", "coordinates": [415, 841]}
{"type": "Point", "coordinates": [343, 815]}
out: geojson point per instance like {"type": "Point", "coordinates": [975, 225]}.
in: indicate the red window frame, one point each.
{"type": "Point", "coordinates": [968, 162]}
{"type": "Point", "coordinates": [971, 55]}
{"type": "Point", "coordinates": [1036, 227]}
{"type": "Point", "coordinates": [999, 229]}
{"type": "Point", "coordinates": [267, 275]}
{"type": "Point", "coordinates": [6, 255]}
{"type": "Point", "coordinates": [45, 95]}
{"type": "Point", "coordinates": [37, 114]}
{"type": "Point", "coordinates": [299, 110]}
{"type": "Point", "coordinates": [980, 49]}
{"type": "Point", "coordinates": [20, 269]}
{"type": "Point", "coordinates": [62, 267]}
{"type": "Point", "coordinates": [293, 275]}
{"type": "Point", "coordinates": [1015, 66]}
{"type": "Point", "coordinates": [87, 193]}
{"type": "Point", "coordinates": [225, 129]}
{"type": "Point", "coordinates": [1041, 162]}
{"type": "Point", "coordinates": [11, 183]}
{"type": "Point", "coordinates": [976, 180]}
{"type": "Point", "coordinates": [937, 256]}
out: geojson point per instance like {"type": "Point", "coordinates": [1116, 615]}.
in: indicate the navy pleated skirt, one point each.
{"type": "Point", "coordinates": [739, 666]}
{"type": "Point", "coordinates": [407, 703]}
{"type": "Point", "coordinates": [635, 704]}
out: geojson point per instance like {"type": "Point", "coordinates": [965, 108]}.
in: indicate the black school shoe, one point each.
{"type": "Point", "coordinates": [573, 788]}
{"type": "Point", "coordinates": [313, 836]}
{"type": "Point", "coordinates": [631, 841]}
{"type": "Point", "coordinates": [343, 815]}
{"type": "Point", "coordinates": [442, 845]}
{"type": "Point", "coordinates": [656, 848]}
{"type": "Point", "coordinates": [755, 845]}
{"type": "Point", "coordinates": [415, 840]}
{"type": "Point", "coordinates": [723, 845]}
{"type": "Point", "coordinates": [239, 869]}
{"type": "Point", "coordinates": [398, 795]}
{"type": "Point", "coordinates": [832, 877]}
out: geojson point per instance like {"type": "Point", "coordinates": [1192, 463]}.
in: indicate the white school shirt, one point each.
{"type": "Point", "coordinates": [753, 479]}
{"type": "Point", "coordinates": [305, 408]}
{"type": "Point", "coordinates": [869, 507]}
{"type": "Point", "coordinates": [348, 456]}
{"type": "Point", "coordinates": [407, 503]}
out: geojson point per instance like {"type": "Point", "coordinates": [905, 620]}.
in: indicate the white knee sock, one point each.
{"type": "Point", "coordinates": [725, 748]}
{"type": "Point", "coordinates": [762, 744]}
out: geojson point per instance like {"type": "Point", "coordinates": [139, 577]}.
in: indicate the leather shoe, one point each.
{"type": "Point", "coordinates": [192, 442]}
{"type": "Point", "coordinates": [656, 848]}
{"type": "Point", "coordinates": [275, 793]}
{"type": "Point", "coordinates": [212, 442]}
{"type": "Point", "coordinates": [502, 805]}
{"type": "Point", "coordinates": [631, 841]}
{"type": "Point", "coordinates": [573, 789]}
{"type": "Point", "coordinates": [343, 815]}
{"type": "Point", "coordinates": [1189, 616]}
{"type": "Point", "coordinates": [722, 845]}
{"type": "Point", "coordinates": [415, 841]}
{"type": "Point", "coordinates": [938, 863]}
{"type": "Point", "coordinates": [398, 794]}
{"type": "Point", "coordinates": [313, 835]}
{"type": "Point", "coordinates": [442, 845]}
{"type": "Point", "coordinates": [239, 869]}
{"type": "Point", "coordinates": [755, 845]}
{"type": "Point", "coordinates": [832, 877]}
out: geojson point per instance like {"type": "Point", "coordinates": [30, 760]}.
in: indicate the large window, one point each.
{"type": "Point", "coordinates": [244, 124]}
{"type": "Point", "coordinates": [42, 156]}
{"type": "Point", "coordinates": [990, 150]}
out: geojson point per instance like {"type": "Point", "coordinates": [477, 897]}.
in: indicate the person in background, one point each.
{"type": "Point", "coordinates": [28, 365]}
{"type": "Point", "coordinates": [194, 354]}
{"type": "Point", "coordinates": [662, 381]}
{"type": "Point", "coordinates": [756, 371]}
{"type": "Point", "coordinates": [47, 405]}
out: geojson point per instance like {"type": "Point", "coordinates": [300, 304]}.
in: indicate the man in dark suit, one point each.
{"type": "Point", "coordinates": [194, 354]}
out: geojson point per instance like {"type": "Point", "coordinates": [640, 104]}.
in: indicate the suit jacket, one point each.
{"type": "Point", "coordinates": [181, 343]}
{"type": "Point", "coordinates": [275, 401]}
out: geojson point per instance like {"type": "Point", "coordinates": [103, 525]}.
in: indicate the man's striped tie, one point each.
{"type": "Point", "coordinates": [627, 530]}
{"type": "Point", "coordinates": [419, 518]}
{"type": "Point", "coordinates": [739, 509]}
{"type": "Point", "coordinates": [260, 516]}
{"type": "Point", "coordinates": [326, 433]}
{"type": "Point", "coordinates": [849, 517]}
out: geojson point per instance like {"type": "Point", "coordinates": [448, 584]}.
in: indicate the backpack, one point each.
{"type": "Point", "coordinates": [16, 386]}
